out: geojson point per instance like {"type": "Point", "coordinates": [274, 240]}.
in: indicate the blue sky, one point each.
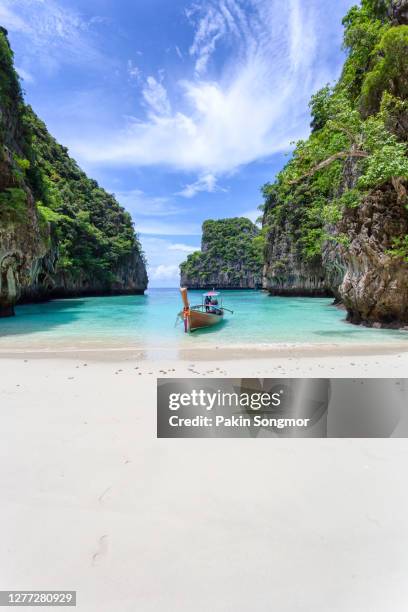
{"type": "Point", "coordinates": [182, 109]}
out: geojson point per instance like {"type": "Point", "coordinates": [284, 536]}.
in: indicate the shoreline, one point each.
{"type": "Point", "coordinates": [248, 352]}
{"type": "Point", "coordinates": [139, 369]}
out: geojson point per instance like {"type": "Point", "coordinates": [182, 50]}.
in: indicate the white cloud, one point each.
{"type": "Point", "coordinates": [164, 258]}
{"type": "Point", "coordinates": [133, 71]}
{"type": "Point", "coordinates": [10, 20]}
{"type": "Point", "coordinates": [55, 35]}
{"type": "Point", "coordinates": [156, 99]}
{"type": "Point", "coordinates": [139, 203]}
{"type": "Point", "coordinates": [206, 182]}
{"type": "Point", "coordinates": [156, 215]}
{"type": "Point", "coordinates": [164, 273]}
{"type": "Point", "coordinates": [210, 29]}
{"type": "Point", "coordinates": [25, 75]}
{"type": "Point", "coordinates": [252, 67]}
{"type": "Point", "coordinates": [183, 248]}
{"type": "Point", "coordinates": [255, 106]}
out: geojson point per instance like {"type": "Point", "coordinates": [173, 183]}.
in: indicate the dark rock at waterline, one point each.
{"type": "Point", "coordinates": [300, 291]}
{"type": "Point", "coordinates": [7, 310]}
{"type": "Point", "coordinates": [375, 285]}
{"type": "Point", "coordinates": [370, 281]}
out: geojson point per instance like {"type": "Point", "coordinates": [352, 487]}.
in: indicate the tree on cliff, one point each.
{"type": "Point", "coordinates": [361, 124]}
{"type": "Point", "coordinates": [336, 216]}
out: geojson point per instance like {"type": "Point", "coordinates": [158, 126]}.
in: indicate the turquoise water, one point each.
{"type": "Point", "coordinates": [150, 320]}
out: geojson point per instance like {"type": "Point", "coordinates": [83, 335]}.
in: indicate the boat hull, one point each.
{"type": "Point", "coordinates": [197, 317]}
{"type": "Point", "coordinates": [199, 320]}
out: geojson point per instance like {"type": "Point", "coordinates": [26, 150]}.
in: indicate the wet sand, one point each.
{"type": "Point", "coordinates": [176, 355]}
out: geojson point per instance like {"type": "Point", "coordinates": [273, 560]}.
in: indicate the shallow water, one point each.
{"type": "Point", "coordinates": [149, 320]}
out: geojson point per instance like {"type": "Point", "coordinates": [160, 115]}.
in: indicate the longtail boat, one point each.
{"type": "Point", "coordinates": [210, 312]}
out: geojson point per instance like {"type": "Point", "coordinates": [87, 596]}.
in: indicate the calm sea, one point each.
{"type": "Point", "coordinates": [150, 320]}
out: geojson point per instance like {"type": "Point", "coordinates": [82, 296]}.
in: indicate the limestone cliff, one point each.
{"type": "Point", "coordinates": [398, 12]}
{"type": "Point", "coordinates": [60, 233]}
{"type": "Point", "coordinates": [287, 271]}
{"type": "Point", "coordinates": [375, 285]}
{"type": "Point", "coordinates": [337, 216]}
{"type": "Point", "coordinates": [230, 257]}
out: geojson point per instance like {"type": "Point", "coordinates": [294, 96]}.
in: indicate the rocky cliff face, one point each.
{"type": "Point", "coordinates": [45, 281]}
{"type": "Point", "coordinates": [230, 257]}
{"type": "Point", "coordinates": [22, 245]}
{"type": "Point", "coordinates": [60, 233]}
{"type": "Point", "coordinates": [337, 221]}
{"type": "Point", "coordinates": [236, 278]}
{"type": "Point", "coordinates": [398, 12]}
{"type": "Point", "coordinates": [363, 273]}
{"type": "Point", "coordinates": [375, 285]}
{"type": "Point", "coordinates": [286, 271]}
{"type": "Point", "coordinates": [22, 250]}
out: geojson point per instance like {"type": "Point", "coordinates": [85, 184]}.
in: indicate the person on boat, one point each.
{"type": "Point", "coordinates": [207, 302]}
{"type": "Point", "coordinates": [214, 304]}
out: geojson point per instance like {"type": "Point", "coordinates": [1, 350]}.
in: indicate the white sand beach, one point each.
{"type": "Point", "coordinates": [92, 501]}
{"type": "Point", "coordinates": [196, 197]}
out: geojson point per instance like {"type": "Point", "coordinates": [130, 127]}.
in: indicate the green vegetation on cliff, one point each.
{"type": "Point", "coordinates": [359, 137]}
{"type": "Point", "coordinates": [231, 254]}
{"type": "Point", "coordinates": [89, 231]}
{"type": "Point", "coordinates": [94, 233]}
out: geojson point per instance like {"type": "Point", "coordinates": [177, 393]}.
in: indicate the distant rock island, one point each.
{"type": "Point", "coordinates": [61, 235]}
{"type": "Point", "coordinates": [231, 257]}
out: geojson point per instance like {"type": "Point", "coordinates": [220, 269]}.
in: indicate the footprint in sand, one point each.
{"type": "Point", "coordinates": [102, 495]}
{"type": "Point", "coordinates": [101, 550]}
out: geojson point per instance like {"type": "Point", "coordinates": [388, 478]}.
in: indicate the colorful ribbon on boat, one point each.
{"type": "Point", "coordinates": [186, 314]}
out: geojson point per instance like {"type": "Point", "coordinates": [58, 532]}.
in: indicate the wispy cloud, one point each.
{"type": "Point", "coordinates": [251, 104]}
{"type": "Point", "coordinates": [163, 272]}
{"type": "Point", "coordinates": [133, 71]}
{"type": "Point", "coordinates": [157, 215]}
{"type": "Point", "coordinates": [205, 183]}
{"type": "Point", "coordinates": [141, 204]}
{"type": "Point", "coordinates": [55, 35]}
{"type": "Point", "coordinates": [249, 73]}
{"type": "Point", "coordinates": [183, 248]}
{"type": "Point", "coordinates": [10, 19]}
{"type": "Point", "coordinates": [25, 75]}
{"type": "Point", "coordinates": [156, 100]}
{"type": "Point", "coordinates": [211, 27]}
